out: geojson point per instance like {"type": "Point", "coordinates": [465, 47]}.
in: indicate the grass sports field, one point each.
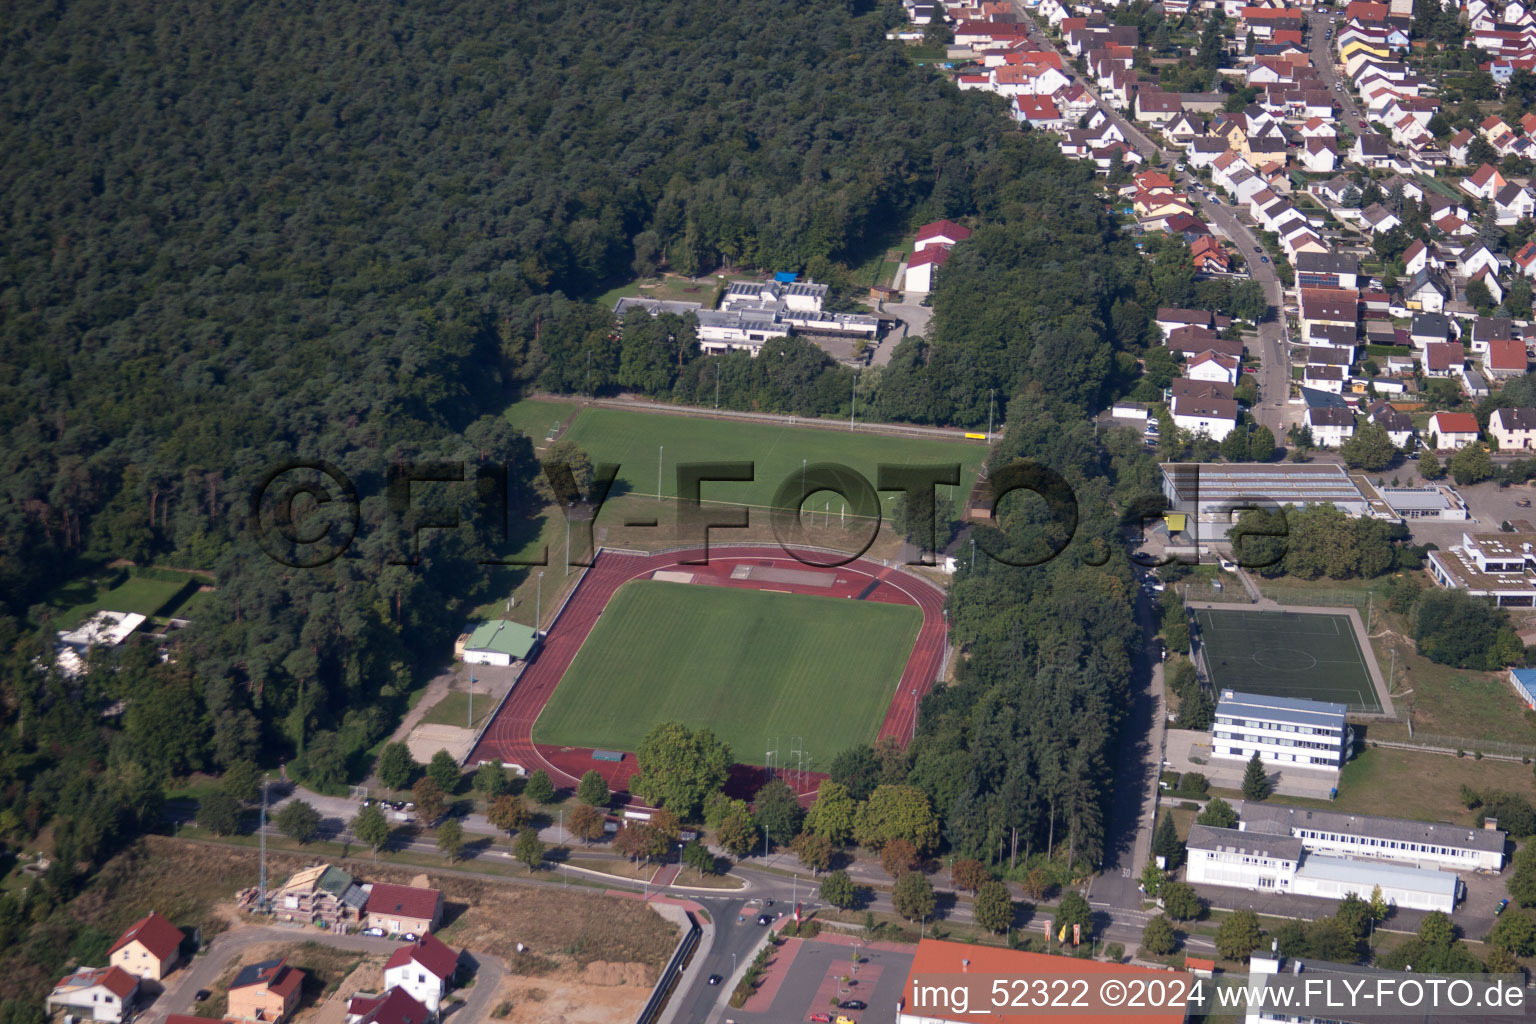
{"type": "Point", "coordinates": [632, 439]}
{"type": "Point", "coordinates": [1287, 654]}
{"type": "Point", "coordinates": [752, 665]}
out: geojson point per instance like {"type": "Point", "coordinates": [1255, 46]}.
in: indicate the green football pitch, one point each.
{"type": "Point", "coordinates": [757, 667]}
{"type": "Point", "coordinates": [1287, 654]}
{"type": "Point", "coordinates": [643, 443]}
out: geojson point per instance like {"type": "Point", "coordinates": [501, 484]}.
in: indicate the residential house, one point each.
{"type": "Point", "coordinates": [267, 991]}
{"type": "Point", "coordinates": [1327, 270]}
{"type": "Point", "coordinates": [1203, 150]}
{"type": "Point", "coordinates": [1171, 320]}
{"type": "Point", "coordinates": [1192, 341]}
{"type": "Point", "coordinates": [1429, 328]}
{"type": "Point", "coordinates": [1209, 256]}
{"type": "Point", "coordinates": [1339, 306]}
{"type": "Point", "coordinates": [1483, 183]}
{"type": "Point", "coordinates": [1213, 366]}
{"type": "Point", "coordinates": [1525, 260]}
{"type": "Point", "coordinates": [1378, 219]}
{"type": "Point", "coordinates": [1505, 358]}
{"type": "Point", "coordinates": [1458, 146]}
{"type": "Point", "coordinates": [1330, 427]}
{"type": "Point", "coordinates": [1206, 407]}
{"type": "Point", "coordinates": [395, 1006]}
{"type": "Point", "coordinates": [1490, 281]}
{"type": "Point", "coordinates": [95, 993]}
{"type": "Point", "coordinates": [1512, 203]}
{"type": "Point", "coordinates": [1443, 359]}
{"type": "Point", "coordinates": [1397, 424]}
{"type": "Point", "coordinates": [1156, 107]}
{"type": "Point", "coordinates": [1319, 156]}
{"type": "Point", "coordinates": [404, 908]}
{"type": "Point", "coordinates": [1475, 257]}
{"type": "Point", "coordinates": [1183, 128]}
{"type": "Point", "coordinates": [1513, 429]}
{"type": "Point", "coordinates": [1452, 431]}
{"type": "Point", "coordinates": [1325, 378]}
{"type": "Point", "coordinates": [149, 948]}
{"type": "Point", "coordinates": [1371, 151]}
{"type": "Point", "coordinates": [940, 232]}
{"type": "Point", "coordinates": [1427, 290]}
{"type": "Point", "coordinates": [922, 266]}
{"type": "Point", "coordinates": [424, 968]}
{"type": "Point", "coordinates": [1038, 112]}
{"type": "Point", "coordinates": [1487, 329]}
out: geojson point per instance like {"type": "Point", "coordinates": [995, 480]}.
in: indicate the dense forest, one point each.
{"type": "Point", "coordinates": [235, 234]}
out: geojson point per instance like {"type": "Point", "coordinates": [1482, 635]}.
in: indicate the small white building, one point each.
{"type": "Point", "coordinates": [95, 993]}
{"type": "Point", "coordinates": [1513, 428]}
{"type": "Point", "coordinates": [1288, 731]}
{"type": "Point", "coordinates": [424, 968]}
{"type": "Point", "coordinates": [498, 642]}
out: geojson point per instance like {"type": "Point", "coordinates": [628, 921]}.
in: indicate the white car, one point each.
{"type": "Point", "coordinates": [1226, 566]}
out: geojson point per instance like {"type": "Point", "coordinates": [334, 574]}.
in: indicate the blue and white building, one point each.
{"type": "Point", "coordinates": [1287, 731]}
{"type": "Point", "coordinates": [1524, 682]}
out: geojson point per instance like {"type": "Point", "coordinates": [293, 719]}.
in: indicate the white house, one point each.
{"type": "Point", "coordinates": [1330, 427]}
{"type": "Point", "coordinates": [96, 993]}
{"type": "Point", "coordinates": [1513, 428]}
{"type": "Point", "coordinates": [1204, 407]}
{"type": "Point", "coordinates": [940, 232]}
{"type": "Point", "coordinates": [424, 968]}
{"type": "Point", "coordinates": [921, 267]}
{"type": "Point", "coordinates": [1452, 431]}
{"type": "Point", "coordinates": [1214, 366]}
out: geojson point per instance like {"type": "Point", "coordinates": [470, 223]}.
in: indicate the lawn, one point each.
{"type": "Point", "coordinates": [635, 440]}
{"type": "Point", "coordinates": [536, 416]}
{"type": "Point", "coordinates": [670, 288]}
{"type": "Point", "coordinates": [454, 710]}
{"type": "Point", "coordinates": [80, 598]}
{"type": "Point", "coordinates": [759, 668]}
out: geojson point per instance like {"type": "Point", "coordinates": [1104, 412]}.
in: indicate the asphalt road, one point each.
{"type": "Point", "coordinates": [1322, 59]}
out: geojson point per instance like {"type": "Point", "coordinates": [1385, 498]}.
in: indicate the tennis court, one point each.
{"type": "Point", "coordinates": [1287, 654]}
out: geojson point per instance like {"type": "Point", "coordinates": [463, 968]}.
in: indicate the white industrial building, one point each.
{"type": "Point", "coordinates": [1496, 565]}
{"type": "Point", "coordinates": [1286, 731]}
{"type": "Point", "coordinates": [1269, 862]}
{"type": "Point", "coordinates": [1213, 494]}
{"type": "Point", "coordinates": [1420, 843]}
{"type": "Point", "coordinates": [752, 313]}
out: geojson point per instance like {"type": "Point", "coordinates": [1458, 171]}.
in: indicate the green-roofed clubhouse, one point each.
{"type": "Point", "coordinates": [498, 642]}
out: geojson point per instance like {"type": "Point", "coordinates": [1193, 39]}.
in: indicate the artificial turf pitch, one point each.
{"type": "Point", "coordinates": [1287, 654]}
{"type": "Point", "coordinates": [757, 667]}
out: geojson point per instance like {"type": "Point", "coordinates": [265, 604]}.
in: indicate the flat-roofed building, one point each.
{"type": "Point", "coordinates": [1418, 843]}
{"type": "Point", "coordinates": [1289, 731]}
{"type": "Point", "coordinates": [1427, 502]}
{"type": "Point", "coordinates": [1497, 565]}
{"type": "Point", "coordinates": [1210, 491]}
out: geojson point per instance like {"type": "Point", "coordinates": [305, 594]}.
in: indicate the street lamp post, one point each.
{"type": "Point", "coordinates": [538, 606]}
{"type": "Point", "coordinates": [660, 450]}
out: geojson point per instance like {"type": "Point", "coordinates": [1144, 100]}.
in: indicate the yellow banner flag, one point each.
{"type": "Point", "coordinates": [1063, 936]}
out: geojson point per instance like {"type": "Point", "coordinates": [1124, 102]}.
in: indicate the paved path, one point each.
{"type": "Point", "coordinates": [667, 409]}
{"type": "Point", "coordinates": [1322, 59]}
{"type": "Point", "coordinates": [205, 969]}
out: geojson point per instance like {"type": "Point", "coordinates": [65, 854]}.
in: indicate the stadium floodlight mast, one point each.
{"type": "Point", "coordinates": [538, 605]}
{"type": "Point", "coordinates": [660, 449]}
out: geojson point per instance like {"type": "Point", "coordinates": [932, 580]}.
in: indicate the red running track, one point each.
{"type": "Point", "coordinates": [510, 734]}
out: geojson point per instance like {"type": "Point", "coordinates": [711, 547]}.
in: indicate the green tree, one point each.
{"type": "Point", "coordinates": [1429, 466]}
{"type": "Point", "coordinates": [593, 789]}
{"type": "Point", "coordinates": [1238, 935]}
{"type": "Point", "coordinates": [994, 908]}
{"type": "Point", "coordinates": [697, 856]}
{"type": "Point", "coordinates": [680, 767]}
{"type": "Point", "coordinates": [778, 811]}
{"type": "Point", "coordinates": [913, 896]}
{"type": "Point", "coordinates": [1515, 931]}
{"type": "Point", "coordinates": [1370, 448]}
{"type": "Point", "coordinates": [1166, 843]}
{"type": "Point", "coordinates": [539, 788]}
{"type": "Point", "coordinates": [1158, 938]}
{"type": "Point", "coordinates": [1522, 878]}
{"type": "Point", "coordinates": [242, 781]}
{"type": "Point", "coordinates": [837, 889]}
{"type": "Point", "coordinates": [1255, 780]}
{"type": "Point", "coordinates": [856, 770]}
{"type": "Point", "coordinates": [444, 771]}
{"type": "Point", "coordinates": [569, 455]}
{"type": "Point", "coordinates": [1181, 901]}
{"type": "Point", "coordinates": [529, 848]}
{"type": "Point", "coordinates": [1074, 910]}
{"type": "Point", "coordinates": [1261, 444]}
{"type": "Point", "coordinates": [737, 834]}
{"type": "Point", "coordinates": [397, 769]}
{"type": "Point", "coordinates": [1378, 904]}
{"type": "Point", "coordinates": [298, 820]}
{"type": "Point", "coordinates": [490, 780]}
{"type": "Point", "coordinates": [1470, 465]}
{"type": "Point", "coordinates": [370, 828]}
{"type": "Point", "coordinates": [450, 839]}
{"type": "Point", "coordinates": [897, 812]}
{"type": "Point", "coordinates": [1152, 879]}
{"type": "Point", "coordinates": [219, 813]}
{"type": "Point", "coordinates": [1217, 813]}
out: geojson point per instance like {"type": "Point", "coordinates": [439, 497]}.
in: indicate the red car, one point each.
{"type": "Point", "coordinates": [821, 1018]}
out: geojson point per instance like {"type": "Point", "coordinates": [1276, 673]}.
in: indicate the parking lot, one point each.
{"type": "Point", "coordinates": [815, 976]}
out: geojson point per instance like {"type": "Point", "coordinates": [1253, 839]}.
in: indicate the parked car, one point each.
{"type": "Point", "coordinates": [374, 933]}
{"type": "Point", "coordinates": [1258, 248]}
{"type": "Point", "coordinates": [763, 919]}
{"type": "Point", "coordinates": [1503, 905]}
{"type": "Point", "coordinates": [1263, 259]}
{"type": "Point", "coordinates": [408, 937]}
{"type": "Point", "coordinates": [715, 979]}
{"type": "Point", "coordinates": [854, 1004]}
{"type": "Point", "coordinates": [203, 993]}
{"type": "Point", "coordinates": [1523, 502]}
{"type": "Point", "coordinates": [820, 1018]}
